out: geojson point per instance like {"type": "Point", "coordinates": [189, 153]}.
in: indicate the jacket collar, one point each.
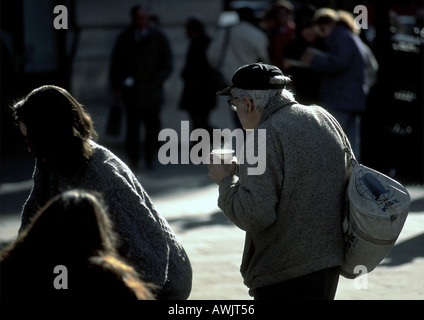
{"type": "Point", "coordinates": [273, 109]}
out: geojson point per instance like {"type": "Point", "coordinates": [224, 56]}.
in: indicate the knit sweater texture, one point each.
{"type": "Point", "coordinates": [146, 240]}
{"type": "Point", "coordinates": [291, 213]}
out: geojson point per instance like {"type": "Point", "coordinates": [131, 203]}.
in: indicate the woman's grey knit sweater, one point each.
{"type": "Point", "coordinates": [146, 240]}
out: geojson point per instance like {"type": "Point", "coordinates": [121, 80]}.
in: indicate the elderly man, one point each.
{"type": "Point", "coordinates": [292, 212]}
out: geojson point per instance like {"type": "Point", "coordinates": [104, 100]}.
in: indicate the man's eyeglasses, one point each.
{"type": "Point", "coordinates": [231, 104]}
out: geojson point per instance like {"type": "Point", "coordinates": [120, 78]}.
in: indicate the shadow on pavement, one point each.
{"type": "Point", "coordinates": [417, 205]}
{"type": "Point", "coordinates": [164, 179]}
{"type": "Point", "coordinates": [189, 223]}
{"type": "Point", "coordinates": [405, 252]}
{"type": "Point", "coordinates": [173, 179]}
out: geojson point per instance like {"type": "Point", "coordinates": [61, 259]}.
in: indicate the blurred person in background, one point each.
{"type": "Point", "coordinates": [141, 62]}
{"type": "Point", "coordinates": [343, 68]}
{"type": "Point", "coordinates": [305, 82]}
{"type": "Point", "coordinates": [246, 44]}
{"type": "Point", "coordinates": [198, 97]}
{"type": "Point", "coordinates": [281, 30]}
{"type": "Point", "coordinates": [238, 44]}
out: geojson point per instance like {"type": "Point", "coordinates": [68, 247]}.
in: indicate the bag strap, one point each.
{"type": "Point", "coordinates": [352, 160]}
{"type": "Point", "coordinates": [347, 148]}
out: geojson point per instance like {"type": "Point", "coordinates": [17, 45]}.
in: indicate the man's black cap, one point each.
{"type": "Point", "coordinates": [256, 76]}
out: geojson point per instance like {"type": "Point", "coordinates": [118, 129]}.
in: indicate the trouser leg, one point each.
{"type": "Point", "coordinates": [319, 285]}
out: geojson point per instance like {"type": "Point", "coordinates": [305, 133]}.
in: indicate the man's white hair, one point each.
{"type": "Point", "coordinates": [263, 98]}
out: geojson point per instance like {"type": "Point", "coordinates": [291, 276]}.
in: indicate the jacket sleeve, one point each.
{"type": "Point", "coordinates": [142, 240]}
{"type": "Point", "coordinates": [165, 58]}
{"type": "Point", "coordinates": [338, 58]}
{"type": "Point", "coordinates": [251, 202]}
{"type": "Point", "coordinates": [122, 59]}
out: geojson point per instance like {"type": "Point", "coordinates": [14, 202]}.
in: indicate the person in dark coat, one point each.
{"type": "Point", "coordinates": [343, 69]}
{"type": "Point", "coordinates": [305, 82]}
{"type": "Point", "coordinates": [141, 62]}
{"type": "Point", "coordinates": [198, 98]}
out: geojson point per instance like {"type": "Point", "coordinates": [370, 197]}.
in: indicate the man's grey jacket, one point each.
{"type": "Point", "coordinates": [292, 213]}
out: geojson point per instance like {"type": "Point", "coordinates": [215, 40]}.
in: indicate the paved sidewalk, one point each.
{"type": "Point", "coordinates": [215, 246]}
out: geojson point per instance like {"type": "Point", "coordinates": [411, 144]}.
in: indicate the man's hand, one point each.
{"type": "Point", "coordinates": [218, 170]}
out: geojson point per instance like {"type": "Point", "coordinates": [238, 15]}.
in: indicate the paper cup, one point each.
{"type": "Point", "coordinates": [224, 154]}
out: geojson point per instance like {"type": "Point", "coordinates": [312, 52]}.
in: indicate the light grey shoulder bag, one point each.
{"type": "Point", "coordinates": [377, 209]}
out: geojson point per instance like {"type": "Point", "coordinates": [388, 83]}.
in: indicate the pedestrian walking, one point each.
{"type": "Point", "coordinates": [59, 134]}
{"type": "Point", "coordinates": [281, 28]}
{"type": "Point", "coordinates": [238, 44]}
{"type": "Point", "coordinates": [305, 82]}
{"type": "Point", "coordinates": [141, 62]}
{"type": "Point", "coordinates": [69, 251]}
{"type": "Point", "coordinates": [343, 72]}
{"type": "Point", "coordinates": [242, 43]}
{"type": "Point", "coordinates": [198, 97]}
{"type": "Point", "coordinates": [292, 213]}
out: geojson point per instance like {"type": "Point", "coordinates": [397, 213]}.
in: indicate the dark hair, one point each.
{"type": "Point", "coordinates": [74, 230]}
{"type": "Point", "coordinates": [58, 127]}
{"type": "Point", "coordinates": [77, 220]}
{"type": "Point", "coordinates": [195, 24]}
{"type": "Point", "coordinates": [134, 10]}
{"type": "Point", "coordinates": [304, 17]}
{"type": "Point", "coordinates": [247, 14]}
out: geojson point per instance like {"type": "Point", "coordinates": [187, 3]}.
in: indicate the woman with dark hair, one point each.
{"type": "Point", "coordinates": [71, 231]}
{"type": "Point", "coordinates": [59, 133]}
{"type": "Point", "coordinates": [57, 130]}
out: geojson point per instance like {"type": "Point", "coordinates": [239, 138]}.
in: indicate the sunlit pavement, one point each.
{"type": "Point", "coordinates": [215, 246]}
{"type": "Point", "coordinates": [186, 197]}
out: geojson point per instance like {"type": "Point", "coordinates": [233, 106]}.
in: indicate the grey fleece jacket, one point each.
{"type": "Point", "coordinates": [291, 213]}
{"type": "Point", "coordinates": [146, 239]}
